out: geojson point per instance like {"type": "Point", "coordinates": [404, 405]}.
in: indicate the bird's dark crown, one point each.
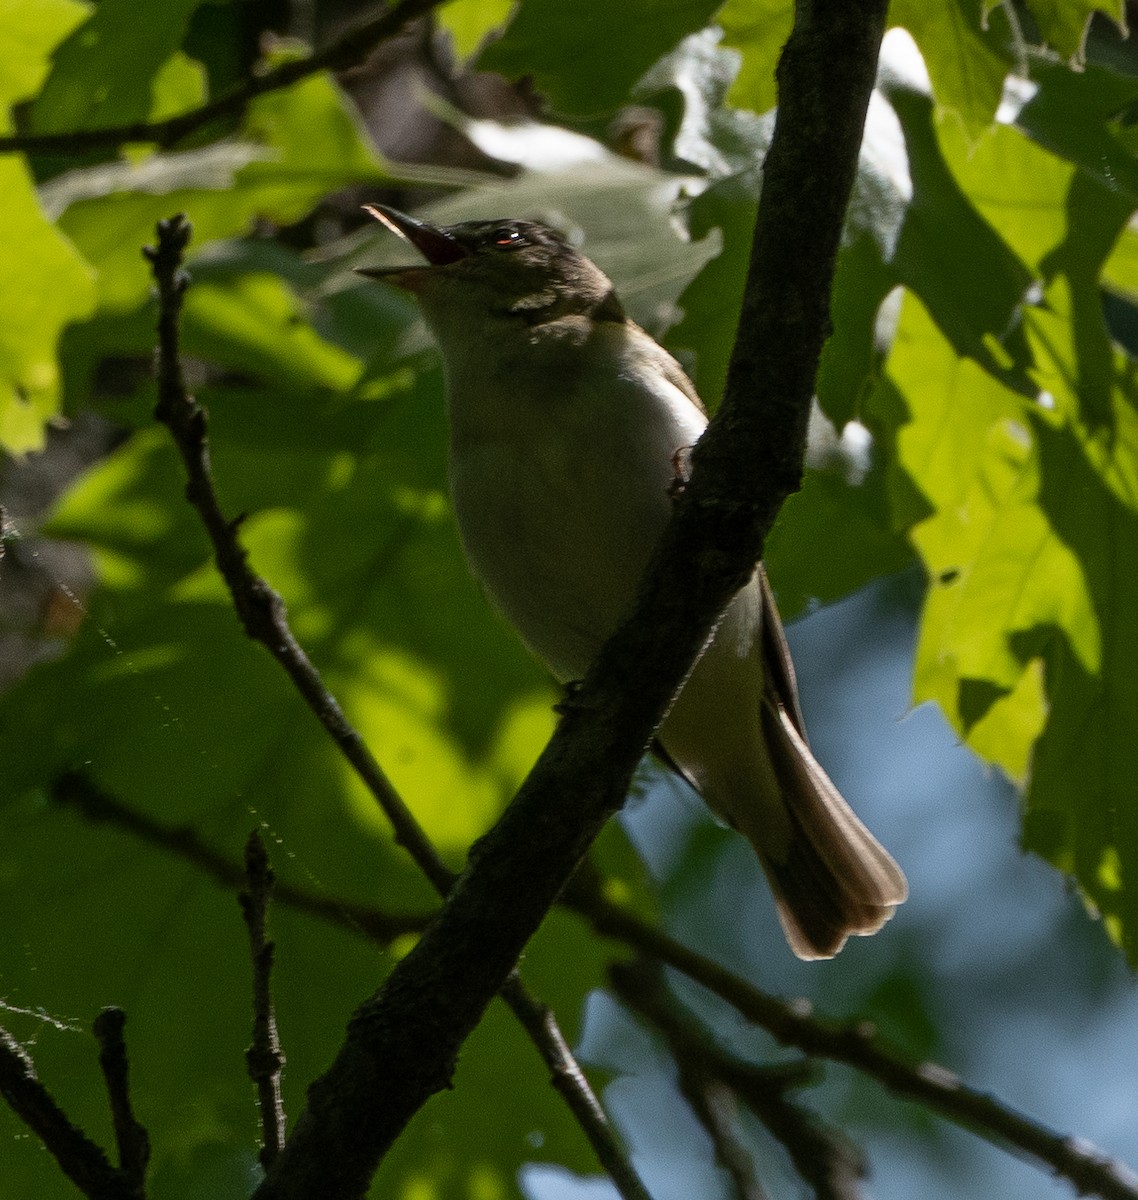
{"type": "Point", "coordinates": [507, 236]}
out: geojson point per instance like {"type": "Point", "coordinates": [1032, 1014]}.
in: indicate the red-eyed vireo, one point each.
{"type": "Point", "coordinates": [565, 420]}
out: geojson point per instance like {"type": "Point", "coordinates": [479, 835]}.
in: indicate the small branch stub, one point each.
{"type": "Point", "coordinates": [264, 1057]}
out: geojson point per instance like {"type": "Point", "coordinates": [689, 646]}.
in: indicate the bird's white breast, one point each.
{"type": "Point", "coordinates": [560, 470]}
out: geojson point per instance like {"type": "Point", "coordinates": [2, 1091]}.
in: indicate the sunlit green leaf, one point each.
{"type": "Point", "coordinates": [964, 48]}
{"type": "Point", "coordinates": [104, 73]}
{"type": "Point", "coordinates": [759, 32]}
{"type": "Point", "coordinates": [302, 143]}
{"type": "Point", "coordinates": [1083, 118]}
{"type": "Point", "coordinates": [254, 324]}
{"type": "Point", "coordinates": [1064, 23]}
{"type": "Point", "coordinates": [1026, 634]}
{"type": "Point", "coordinates": [996, 567]}
{"type": "Point", "coordinates": [965, 273]}
{"type": "Point", "coordinates": [469, 22]}
{"type": "Point", "coordinates": [179, 84]}
{"type": "Point", "coordinates": [33, 311]}
{"type": "Point", "coordinates": [29, 31]}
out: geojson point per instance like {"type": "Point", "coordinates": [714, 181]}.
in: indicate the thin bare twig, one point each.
{"type": "Point", "coordinates": [568, 1078]}
{"type": "Point", "coordinates": [262, 613]}
{"type": "Point", "coordinates": [76, 791]}
{"type": "Point", "coordinates": [131, 1138]}
{"type": "Point", "coordinates": [929, 1084]}
{"type": "Point", "coordinates": [1088, 1169]}
{"type": "Point", "coordinates": [709, 1075]}
{"type": "Point", "coordinates": [79, 1158]}
{"type": "Point", "coordinates": [261, 610]}
{"type": "Point", "coordinates": [348, 50]}
{"type": "Point", "coordinates": [264, 1058]}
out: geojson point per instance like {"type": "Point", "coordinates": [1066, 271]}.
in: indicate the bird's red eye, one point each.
{"type": "Point", "coordinates": [507, 237]}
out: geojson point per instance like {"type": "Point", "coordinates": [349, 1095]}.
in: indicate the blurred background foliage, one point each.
{"type": "Point", "coordinates": [973, 493]}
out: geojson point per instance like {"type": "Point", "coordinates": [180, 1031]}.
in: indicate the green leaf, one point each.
{"type": "Point", "coordinates": [1027, 640]}
{"type": "Point", "coordinates": [1017, 186]}
{"type": "Point", "coordinates": [1084, 118]}
{"type": "Point", "coordinates": [29, 31]}
{"type": "Point", "coordinates": [303, 142]}
{"type": "Point", "coordinates": [470, 22]}
{"type": "Point", "coordinates": [180, 84]}
{"type": "Point", "coordinates": [832, 537]}
{"type": "Point", "coordinates": [1064, 23]}
{"type": "Point", "coordinates": [1081, 812]}
{"type": "Point", "coordinates": [948, 254]}
{"type": "Point", "coordinates": [994, 517]}
{"type": "Point", "coordinates": [964, 46]}
{"type": "Point", "coordinates": [576, 56]}
{"type": "Point", "coordinates": [44, 285]}
{"type": "Point", "coordinates": [104, 73]}
{"type": "Point", "coordinates": [255, 324]}
{"type": "Point", "coordinates": [996, 568]}
{"type": "Point", "coordinates": [758, 30]}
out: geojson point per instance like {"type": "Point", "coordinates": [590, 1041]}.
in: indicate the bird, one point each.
{"type": "Point", "coordinates": [565, 421]}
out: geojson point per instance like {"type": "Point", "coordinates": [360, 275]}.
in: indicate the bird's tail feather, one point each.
{"type": "Point", "coordinates": [833, 878]}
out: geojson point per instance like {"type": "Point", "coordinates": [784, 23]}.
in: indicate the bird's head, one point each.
{"type": "Point", "coordinates": [508, 270]}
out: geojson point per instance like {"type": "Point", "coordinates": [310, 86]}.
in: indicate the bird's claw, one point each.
{"type": "Point", "coordinates": [681, 471]}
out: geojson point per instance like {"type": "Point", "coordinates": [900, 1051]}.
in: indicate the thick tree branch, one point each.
{"type": "Point", "coordinates": [263, 615]}
{"type": "Point", "coordinates": [264, 1058]}
{"type": "Point", "coordinates": [348, 50]}
{"type": "Point", "coordinates": [80, 1159]}
{"type": "Point", "coordinates": [402, 1043]}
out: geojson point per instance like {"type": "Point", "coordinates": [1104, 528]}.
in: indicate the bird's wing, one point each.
{"type": "Point", "coordinates": [777, 663]}
{"type": "Point", "coordinates": [670, 369]}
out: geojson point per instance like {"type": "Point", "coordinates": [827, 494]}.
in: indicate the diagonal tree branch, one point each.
{"type": "Point", "coordinates": [260, 609]}
{"type": "Point", "coordinates": [262, 614]}
{"type": "Point", "coordinates": [402, 1044]}
{"type": "Point", "coordinates": [348, 50]}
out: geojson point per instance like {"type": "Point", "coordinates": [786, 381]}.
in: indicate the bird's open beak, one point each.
{"type": "Point", "coordinates": [433, 243]}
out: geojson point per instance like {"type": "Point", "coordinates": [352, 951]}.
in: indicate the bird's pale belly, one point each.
{"type": "Point", "coordinates": [559, 540]}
